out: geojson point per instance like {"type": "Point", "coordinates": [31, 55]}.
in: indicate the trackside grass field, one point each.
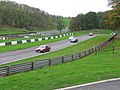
{"type": "Point", "coordinates": [104, 65]}
{"type": "Point", "coordinates": [95, 31]}
{"type": "Point", "coordinates": [9, 30]}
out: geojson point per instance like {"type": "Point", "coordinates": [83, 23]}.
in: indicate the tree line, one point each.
{"type": "Point", "coordinates": [22, 15]}
{"type": "Point", "coordinates": [100, 20]}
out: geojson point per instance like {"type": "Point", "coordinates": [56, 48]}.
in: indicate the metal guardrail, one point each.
{"type": "Point", "coordinates": [34, 40]}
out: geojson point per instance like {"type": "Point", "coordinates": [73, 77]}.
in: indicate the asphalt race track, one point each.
{"type": "Point", "coordinates": [12, 56]}
{"type": "Point", "coordinates": [112, 84]}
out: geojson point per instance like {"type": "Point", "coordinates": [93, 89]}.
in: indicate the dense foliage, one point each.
{"type": "Point", "coordinates": [114, 14]}
{"type": "Point", "coordinates": [91, 20]}
{"type": "Point", "coordinates": [20, 15]}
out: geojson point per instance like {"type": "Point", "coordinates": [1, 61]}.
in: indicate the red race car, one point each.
{"type": "Point", "coordinates": [43, 48]}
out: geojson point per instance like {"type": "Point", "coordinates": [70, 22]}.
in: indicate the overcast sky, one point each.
{"type": "Point", "coordinates": [67, 8]}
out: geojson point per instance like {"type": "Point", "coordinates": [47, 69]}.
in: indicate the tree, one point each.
{"type": "Point", "coordinates": [115, 13]}
{"type": "Point", "coordinates": [20, 15]}
{"type": "Point", "coordinates": [91, 20]}
{"type": "Point", "coordinates": [113, 2]}
{"type": "Point", "coordinates": [84, 21]}
{"type": "Point", "coordinates": [60, 25]}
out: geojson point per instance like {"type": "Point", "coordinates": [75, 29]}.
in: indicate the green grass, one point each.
{"type": "Point", "coordinates": [95, 31]}
{"type": "Point", "coordinates": [9, 30]}
{"type": "Point", "coordinates": [69, 50]}
{"type": "Point", "coordinates": [104, 65]}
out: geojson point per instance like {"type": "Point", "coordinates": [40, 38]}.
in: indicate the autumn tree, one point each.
{"type": "Point", "coordinates": [114, 18]}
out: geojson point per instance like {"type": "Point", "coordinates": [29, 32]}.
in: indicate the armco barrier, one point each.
{"type": "Point", "coordinates": [13, 69]}
{"type": "Point", "coordinates": [34, 40]}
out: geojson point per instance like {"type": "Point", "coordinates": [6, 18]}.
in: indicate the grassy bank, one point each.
{"type": "Point", "coordinates": [9, 30]}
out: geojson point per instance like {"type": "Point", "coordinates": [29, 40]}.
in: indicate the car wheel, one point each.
{"type": "Point", "coordinates": [38, 51]}
{"type": "Point", "coordinates": [77, 40]}
{"type": "Point", "coordinates": [48, 50]}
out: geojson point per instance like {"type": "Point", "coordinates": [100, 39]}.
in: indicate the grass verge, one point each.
{"type": "Point", "coordinates": [9, 30]}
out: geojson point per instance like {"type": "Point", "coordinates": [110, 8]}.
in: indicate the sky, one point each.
{"type": "Point", "coordinates": [67, 8]}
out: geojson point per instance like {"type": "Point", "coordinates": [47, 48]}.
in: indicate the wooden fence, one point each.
{"type": "Point", "coordinates": [13, 69]}
{"type": "Point", "coordinates": [112, 49]}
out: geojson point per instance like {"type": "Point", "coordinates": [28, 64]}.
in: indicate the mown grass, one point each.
{"type": "Point", "coordinates": [95, 31]}
{"type": "Point", "coordinates": [9, 30]}
{"type": "Point", "coordinates": [69, 50]}
{"type": "Point", "coordinates": [104, 65]}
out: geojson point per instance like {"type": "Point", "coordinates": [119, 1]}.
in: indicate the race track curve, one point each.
{"type": "Point", "coordinates": [12, 56]}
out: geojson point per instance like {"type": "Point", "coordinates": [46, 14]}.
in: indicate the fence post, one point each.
{"type": "Point", "coordinates": [79, 55]}
{"type": "Point", "coordinates": [93, 49]}
{"type": "Point", "coordinates": [99, 47]}
{"type": "Point", "coordinates": [9, 70]}
{"type": "Point", "coordinates": [89, 51]}
{"type": "Point", "coordinates": [33, 63]}
{"type": "Point", "coordinates": [49, 62]}
{"type": "Point", "coordinates": [72, 57]}
{"type": "Point", "coordinates": [96, 52]}
{"type": "Point", "coordinates": [102, 47]}
{"type": "Point", "coordinates": [62, 59]}
{"type": "Point", "coordinates": [85, 53]}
